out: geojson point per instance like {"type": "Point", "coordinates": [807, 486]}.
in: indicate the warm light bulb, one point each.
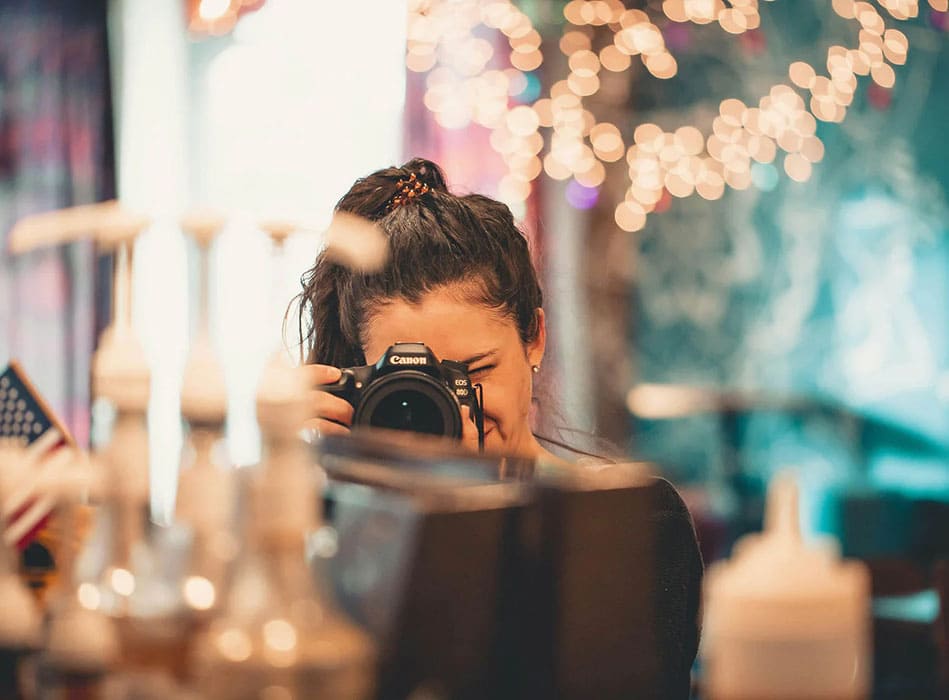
{"type": "Point", "coordinates": [199, 592]}
{"type": "Point", "coordinates": [280, 635]}
{"type": "Point", "coordinates": [89, 596]}
{"type": "Point", "coordinates": [630, 216]}
{"type": "Point", "coordinates": [123, 582]}
{"type": "Point", "coordinates": [234, 645]}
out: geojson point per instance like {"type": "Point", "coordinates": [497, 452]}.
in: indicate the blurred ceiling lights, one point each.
{"type": "Point", "coordinates": [446, 40]}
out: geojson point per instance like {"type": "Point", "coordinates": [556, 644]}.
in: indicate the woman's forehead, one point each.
{"type": "Point", "coordinates": [453, 327]}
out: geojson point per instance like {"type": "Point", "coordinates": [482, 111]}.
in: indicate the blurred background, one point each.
{"type": "Point", "coordinates": [739, 210]}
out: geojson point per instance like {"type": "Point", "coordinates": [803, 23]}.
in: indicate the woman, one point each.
{"type": "Point", "coordinates": [459, 278]}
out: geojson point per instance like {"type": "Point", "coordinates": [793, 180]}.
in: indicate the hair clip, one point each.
{"type": "Point", "coordinates": [407, 191]}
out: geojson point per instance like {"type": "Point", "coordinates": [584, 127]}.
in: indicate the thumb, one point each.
{"type": "Point", "coordinates": [321, 374]}
{"type": "Point", "coordinates": [469, 431]}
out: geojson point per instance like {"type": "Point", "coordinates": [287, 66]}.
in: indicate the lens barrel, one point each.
{"type": "Point", "coordinates": [410, 400]}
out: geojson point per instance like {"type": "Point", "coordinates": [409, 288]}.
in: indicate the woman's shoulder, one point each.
{"type": "Point", "coordinates": [667, 500]}
{"type": "Point", "coordinates": [676, 565]}
{"type": "Point", "coordinates": [666, 510]}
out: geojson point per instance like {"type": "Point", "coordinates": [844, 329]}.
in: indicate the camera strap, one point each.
{"type": "Point", "coordinates": [479, 415]}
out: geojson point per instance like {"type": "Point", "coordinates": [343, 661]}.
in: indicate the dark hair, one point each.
{"type": "Point", "coordinates": [435, 239]}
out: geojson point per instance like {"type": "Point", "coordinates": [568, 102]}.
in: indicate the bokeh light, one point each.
{"type": "Point", "coordinates": [744, 141]}
{"type": "Point", "coordinates": [581, 197]}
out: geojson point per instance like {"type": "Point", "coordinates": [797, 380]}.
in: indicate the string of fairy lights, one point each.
{"type": "Point", "coordinates": [450, 41]}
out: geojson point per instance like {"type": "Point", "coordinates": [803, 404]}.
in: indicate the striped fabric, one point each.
{"type": "Point", "coordinates": [56, 150]}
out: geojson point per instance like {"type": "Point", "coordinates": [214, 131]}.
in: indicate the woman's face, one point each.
{"type": "Point", "coordinates": [488, 342]}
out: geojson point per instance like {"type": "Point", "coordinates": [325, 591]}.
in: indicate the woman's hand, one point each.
{"type": "Point", "coordinates": [469, 431]}
{"type": "Point", "coordinates": [329, 414]}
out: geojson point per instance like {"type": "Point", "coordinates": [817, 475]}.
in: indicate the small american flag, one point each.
{"type": "Point", "coordinates": [30, 427]}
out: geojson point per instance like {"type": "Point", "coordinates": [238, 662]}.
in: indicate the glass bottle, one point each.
{"type": "Point", "coordinates": [278, 631]}
{"type": "Point", "coordinates": [127, 568]}
{"type": "Point", "coordinates": [205, 502]}
{"type": "Point", "coordinates": [205, 508]}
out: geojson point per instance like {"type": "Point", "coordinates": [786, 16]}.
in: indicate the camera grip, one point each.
{"type": "Point", "coordinates": [342, 387]}
{"type": "Point", "coordinates": [350, 384]}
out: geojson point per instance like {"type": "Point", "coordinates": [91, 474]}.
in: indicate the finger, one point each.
{"type": "Point", "coordinates": [469, 431]}
{"type": "Point", "coordinates": [321, 374]}
{"type": "Point", "coordinates": [326, 427]}
{"type": "Point", "coordinates": [326, 405]}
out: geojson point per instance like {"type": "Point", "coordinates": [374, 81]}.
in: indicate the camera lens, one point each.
{"type": "Point", "coordinates": [410, 400]}
{"type": "Point", "coordinates": [409, 410]}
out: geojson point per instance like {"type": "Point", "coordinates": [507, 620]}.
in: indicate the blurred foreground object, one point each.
{"type": "Point", "coordinates": [784, 620]}
{"type": "Point", "coordinates": [206, 482]}
{"type": "Point", "coordinates": [35, 439]}
{"type": "Point", "coordinates": [277, 631]}
{"type": "Point", "coordinates": [81, 643]}
{"type": "Point", "coordinates": [26, 421]}
{"type": "Point", "coordinates": [110, 223]}
{"type": "Point", "coordinates": [483, 577]}
{"type": "Point", "coordinates": [19, 618]}
{"type": "Point", "coordinates": [217, 17]}
{"type": "Point", "coordinates": [60, 226]}
{"type": "Point", "coordinates": [356, 243]}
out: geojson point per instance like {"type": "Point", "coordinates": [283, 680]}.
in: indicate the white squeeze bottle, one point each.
{"type": "Point", "coordinates": [785, 619]}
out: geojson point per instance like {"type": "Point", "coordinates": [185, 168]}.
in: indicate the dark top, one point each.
{"type": "Point", "coordinates": [575, 593]}
{"type": "Point", "coordinates": [618, 594]}
{"type": "Point", "coordinates": [678, 588]}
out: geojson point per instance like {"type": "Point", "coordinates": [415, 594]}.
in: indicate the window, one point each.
{"type": "Point", "coordinates": [274, 121]}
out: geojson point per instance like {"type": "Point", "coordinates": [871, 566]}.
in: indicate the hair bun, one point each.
{"type": "Point", "coordinates": [427, 173]}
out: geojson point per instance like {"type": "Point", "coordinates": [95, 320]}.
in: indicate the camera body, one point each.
{"type": "Point", "coordinates": [410, 389]}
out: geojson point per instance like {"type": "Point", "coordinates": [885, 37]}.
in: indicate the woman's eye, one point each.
{"type": "Point", "coordinates": [480, 370]}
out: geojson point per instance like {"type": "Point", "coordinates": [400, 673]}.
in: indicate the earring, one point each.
{"type": "Point", "coordinates": [535, 368]}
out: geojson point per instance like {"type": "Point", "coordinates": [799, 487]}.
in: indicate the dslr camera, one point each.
{"type": "Point", "coordinates": [410, 389]}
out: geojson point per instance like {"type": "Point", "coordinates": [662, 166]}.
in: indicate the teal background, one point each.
{"type": "Point", "coordinates": [833, 290]}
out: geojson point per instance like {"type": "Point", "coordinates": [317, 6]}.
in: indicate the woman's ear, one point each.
{"type": "Point", "coordinates": [536, 347]}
